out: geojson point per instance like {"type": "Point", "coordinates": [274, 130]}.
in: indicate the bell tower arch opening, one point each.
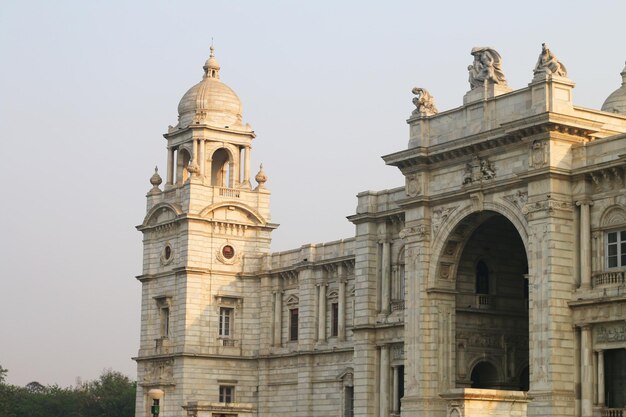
{"type": "Point", "coordinates": [221, 174]}
{"type": "Point", "coordinates": [492, 326]}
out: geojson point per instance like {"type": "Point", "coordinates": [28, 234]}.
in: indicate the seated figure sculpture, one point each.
{"type": "Point", "coordinates": [487, 67]}
{"type": "Point", "coordinates": [548, 64]}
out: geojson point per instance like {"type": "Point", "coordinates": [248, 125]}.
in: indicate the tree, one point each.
{"type": "Point", "coordinates": [3, 374]}
{"type": "Point", "coordinates": [112, 395]}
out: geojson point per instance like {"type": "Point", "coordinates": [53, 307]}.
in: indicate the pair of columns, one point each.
{"type": "Point", "coordinates": [585, 243]}
{"type": "Point", "coordinates": [199, 160]}
{"type": "Point", "coordinates": [592, 373]}
{"type": "Point", "coordinates": [386, 402]}
{"type": "Point", "coordinates": [385, 290]}
{"type": "Point", "coordinates": [321, 311]}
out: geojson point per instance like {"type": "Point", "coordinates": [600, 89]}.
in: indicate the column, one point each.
{"type": "Point", "coordinates": [170, 166]}
{"type": "Point", "coordinates": [601, 394]}
{"type": "Point", "coordinates": [396, 390]}
{"type": "Point", "coordinates": [321, 319]}
{"type": "Point", "coordinates": [342, 311]}
{"type": "Point", "coordinates": [195, 152]}
{"type": "Point", "coordinates": [278, 309]}
{"type": "Point", "coordinates": [586, 371]}
{"type": "Point", "coordinates": [246, 166]}
{"type": "Point", "coordinates": [386, 278]}
{"type": "Point", "coordinates": [384, 381]}
{"type": "Point", "coordinates": [585, 243]}
{"type": "Point", "coordinates": [202, 144]}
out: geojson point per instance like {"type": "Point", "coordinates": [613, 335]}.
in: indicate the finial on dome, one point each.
{"type": "Point", "coordinates": [155, 180]}
{"type": "Point", "coordinates": [211, 66]}
{"type": "Point", "coordinates": [261, 178]}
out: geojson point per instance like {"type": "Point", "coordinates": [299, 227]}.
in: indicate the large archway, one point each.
{"type": "Point", "coordinates": [491, 273]}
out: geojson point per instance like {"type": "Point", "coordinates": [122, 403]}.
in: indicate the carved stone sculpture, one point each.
{"type": "Point", "coordinates": [424, 102]}
{"type": "Point", "coordinates": [478, 170]}
{"type": "Point", "coordinates": [548, 64]}
{"type": "Point", "coordinates": [487, 67]}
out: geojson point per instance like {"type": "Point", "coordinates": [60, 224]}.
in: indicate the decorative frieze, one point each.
{"type": "Point", "coordinates": [158, 371]}
{"type": "Point", "coordinates": [550, 206]}
{"type": "Point", "coordinates": [421, 231]}
{"type": "Point", "coordinates": [440, 215]}
{"type": "Point", "coordinates": [608, 179]}
{"type": "Point", "coordinates": [611, 332]}
{"type": "Point", "coordinates": [519, 199]}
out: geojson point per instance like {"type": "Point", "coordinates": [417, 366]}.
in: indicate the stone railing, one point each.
{"type": "Point", "coordinates": [484, 301]}
{"type": "Point", "coordinates": [613, 412]}
{"type": "Point", "coordinates": [229, 342]}
{"type": "Point", "coordinates": [229, 192]}
{"type": "Point", "coordinates": [608, 278]}
{"type": "Point", "coordinates": [397, 305]}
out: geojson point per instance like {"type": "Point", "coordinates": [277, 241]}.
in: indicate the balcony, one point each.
{"type": "Point", "coordinates": [229, 192]}
{"type": "Point", "coordinates": [397, 305]}
{"type": "Point", "coordinates": [613, 412]}
{"type": "Point", "coordinates": [608, 279]}
{"type": "Point", "coordinates": [229, 342]}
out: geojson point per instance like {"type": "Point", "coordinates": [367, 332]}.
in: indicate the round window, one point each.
{"type": "Point", "coordinates": [167, 252]}
{"type": "Point", "coordinates": [228, 252]}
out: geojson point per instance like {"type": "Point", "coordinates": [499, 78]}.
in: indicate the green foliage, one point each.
{"type": "Point", "coordinates": [112, 395]}
{"type": "Point", "coordinates": [3, 374]}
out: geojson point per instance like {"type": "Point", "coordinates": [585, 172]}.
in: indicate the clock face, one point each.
{"type": "Point", "coordinates": [228, 252]}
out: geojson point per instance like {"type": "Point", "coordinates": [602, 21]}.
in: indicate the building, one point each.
{"type": "Point", "coordinates": [490, 283]}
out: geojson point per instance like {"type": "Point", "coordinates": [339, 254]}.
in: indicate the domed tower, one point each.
{"type": "Point", "coordinates": [616, 101]}
{"type": "Point", "coordinates": [205, 234]}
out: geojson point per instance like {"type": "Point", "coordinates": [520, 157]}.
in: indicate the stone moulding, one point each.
{"type": "Point", "coordinates": [549, 205]}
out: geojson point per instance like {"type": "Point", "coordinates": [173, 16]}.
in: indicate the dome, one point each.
{"type": "Point", "coordinates": [210, 101]}
{"type": "Point", "coordinates": [616, 102]}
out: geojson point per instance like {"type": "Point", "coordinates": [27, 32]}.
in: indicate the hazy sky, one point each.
{"type": "Point", "coordinates": [88, 88]}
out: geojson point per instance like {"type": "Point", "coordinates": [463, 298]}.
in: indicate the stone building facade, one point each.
{"type": "Point", "coordinates": [490, 283]}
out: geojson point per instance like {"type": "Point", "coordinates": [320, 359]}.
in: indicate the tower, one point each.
{"type": "Point", "coordinates": [203, 234]}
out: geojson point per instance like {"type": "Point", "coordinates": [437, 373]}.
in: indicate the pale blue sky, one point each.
{"type": "Point", "coordinates": [88, 88]}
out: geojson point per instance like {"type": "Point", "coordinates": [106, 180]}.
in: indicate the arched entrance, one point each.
{"type": "Point", "coordinates": [491, 271]}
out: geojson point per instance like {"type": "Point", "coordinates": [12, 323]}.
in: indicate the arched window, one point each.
{"type": "Point", "coordinates": [484, 375]}
{"type": "Point", "coordinates": [220, 169]}
{"type": "Point", "coordinates": [482, 278]}
{"type": "Point", "coordinates": [183, 162]}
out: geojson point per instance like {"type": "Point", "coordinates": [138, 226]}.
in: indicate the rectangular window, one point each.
{"type": "Point", "coordinates": [616, 249]}
{"type": "Point", "coordinates": [293, 324]}
{"type": "Point", "coordinates": [348, 406]}
{"type": "Point", "coordinates": [165, 321]}
{"type": "Point", "coordinates": [334, 319]}
{"type": "Point", "coordinates": [227, 394]}
{"type": "Point", "coordinates": [226, 319]}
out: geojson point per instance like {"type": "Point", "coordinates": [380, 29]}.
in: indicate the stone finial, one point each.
{"type": "Point", "coordinates": [424, 102]}
{"type": "Point", "coordinates": [211, 66]}
{"type": "Point", "coordinates": [548, 65]}
{"type": "Point", "coordinates": [261, 178]}
{"type": "Point", "coordinates": [486, 68]}
{"type": "Point", "coordinates": [155, 180]}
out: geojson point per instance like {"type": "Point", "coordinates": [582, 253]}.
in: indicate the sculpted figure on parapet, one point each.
{"type": "Point", "coordinates": [548, 64]}
{"type": "Point", "coordinates": [487, 67]}
{"type": "Point", "coordinates": [424, 102]}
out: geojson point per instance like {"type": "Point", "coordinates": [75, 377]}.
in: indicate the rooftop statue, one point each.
{"type": "Point", "coordinates": [424, 102]}
{"type": "Point", "coordinates": [548, 64]}
{"type": "Point", "coordinates": [487, 67]}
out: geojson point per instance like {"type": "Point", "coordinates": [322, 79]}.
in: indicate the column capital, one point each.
{"type": "Point", "coordinates": [599, 350]}
{"type": "Point", "coordinates": [584, 202]}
